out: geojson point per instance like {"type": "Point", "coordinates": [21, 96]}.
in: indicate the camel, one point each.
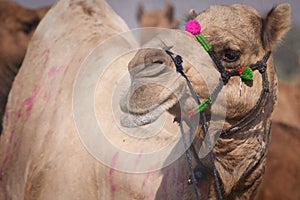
{"type": "Point", "coordinates": [47, 152]}
{"type": "Point", "coordinates": [245, 166]}
{"type": "Point", "coordinates": [285, 124]}
{"type": "Point", "coordinates": [157, 18]}
{"type": "Point", "coordinates": [17, 27]}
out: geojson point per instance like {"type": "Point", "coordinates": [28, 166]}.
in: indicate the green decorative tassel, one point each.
{"type": "Point", "coordinates": [203, 42]}
{"type": "Point", "coordinates": [203, 105]}
{"type": "Point", "coordinates": [247, 74]}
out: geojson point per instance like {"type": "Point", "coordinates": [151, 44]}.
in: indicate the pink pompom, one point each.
{"type": "Point", "coordinates": [193, 26]}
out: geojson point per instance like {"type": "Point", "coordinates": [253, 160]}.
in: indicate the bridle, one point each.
{"type": "Point", "coordinates": [194, 27]}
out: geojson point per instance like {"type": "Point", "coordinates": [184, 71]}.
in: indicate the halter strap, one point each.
{"type": "Point", "coordinates": [246, 121]}
{"type": "Point", "coordinates": [193, 178]}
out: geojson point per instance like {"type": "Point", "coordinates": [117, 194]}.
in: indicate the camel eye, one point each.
{"type": "Point", "coordinates": [230, 55]}
{"type": "Point", "coordinates": [158, 62]}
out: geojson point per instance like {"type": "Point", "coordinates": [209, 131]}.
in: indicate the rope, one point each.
{"type": "Point", "coordinates": [211, 156]}
{"type": "Point", "coordinates": [189, 159]}
{"type": "Point", "coordinates": [179, 68]}
{"type": "Point", "coordinates": [178, 63]}
{"type": "Point", "coordinates": [261, 102]}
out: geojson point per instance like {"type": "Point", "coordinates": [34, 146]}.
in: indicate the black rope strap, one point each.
{"type": "Point", "coordinates": [189, 159]}
{"type": "Point", "coordinates": [225, 75]}
{"type": "Point", "coordinates": [246, 121]}
{"type": "Point", "coordinates": [211, 156]}
{"type": "Point", "coordinates": [179, 68]}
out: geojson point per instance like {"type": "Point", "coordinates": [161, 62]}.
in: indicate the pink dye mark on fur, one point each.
{"type": "Point", "coordinates": [138, 159]}
{"type": "Point", "coordinates": [148, 181]}
{"type": "Point", "coordinates": [35, 56]}
{"type": "Point", "coordinates": [113, 186]}
{"type": "Point", "coordinates": [29, 103]}
{"type": "Point", "coordinates": [166, 183]}
{"type": "Point", "coordinates": [150, 176]}
{"type": "Point", "coordinates": [53, 71]}
{"type": "Point", "coordinates": [46, 54]}
{"type": "Point", "coordinates": [38, 55]}
{"type": "Point", "coordinates": [30, 100]}
{"type": "Point", "coordinates": [178, 181]}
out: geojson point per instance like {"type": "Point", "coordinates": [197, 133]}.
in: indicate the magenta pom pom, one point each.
{"type": "Point", "coordinates": [193, 26]}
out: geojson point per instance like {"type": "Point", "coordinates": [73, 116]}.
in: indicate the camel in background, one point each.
{"type": "Point", "coordinates": [157, 18]}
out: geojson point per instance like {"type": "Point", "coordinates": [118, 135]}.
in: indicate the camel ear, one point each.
{"type": "Point", "coordinates": [191, 15]}
{"type": "Point", "coordinates": [275, 25]}
{"type": "Point", "coordinates": [169, 11]}
{"type": "Point", "coordinates": [140, 11]}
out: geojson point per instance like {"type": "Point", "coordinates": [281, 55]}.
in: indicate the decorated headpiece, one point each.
{"type": "Point", "coordinates": [194, 27]}
{"type": "Point", "coordinates": [245, 73]}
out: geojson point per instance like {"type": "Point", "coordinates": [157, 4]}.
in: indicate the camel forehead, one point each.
{"type": "Point", "coordinates": [235, 16]}
{"type": "Point", "coordinates": [237, 26]}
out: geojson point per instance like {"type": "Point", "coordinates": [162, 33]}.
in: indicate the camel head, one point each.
{"type": "Point", "coordinates": [238, 35]}
{"type": "Point", "coordinates": [157, 18]}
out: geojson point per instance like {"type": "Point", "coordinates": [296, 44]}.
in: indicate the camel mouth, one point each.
{"type": "Point", "coordinates": [138, 112]}
{"type": "Point", "coordinates": [155, 88]}
{"type": "Point", "coordinates": [132, 120]}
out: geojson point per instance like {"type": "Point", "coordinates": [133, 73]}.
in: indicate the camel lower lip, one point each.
{"type": "Point", "coordinates": [131, 120]}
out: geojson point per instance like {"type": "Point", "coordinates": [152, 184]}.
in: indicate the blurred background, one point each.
{"type": "Point", "coordinates": [282, 178]}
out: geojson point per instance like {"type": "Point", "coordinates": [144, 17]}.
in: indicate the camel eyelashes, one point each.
{"type": "Point", "coordinates": [230, 55]}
